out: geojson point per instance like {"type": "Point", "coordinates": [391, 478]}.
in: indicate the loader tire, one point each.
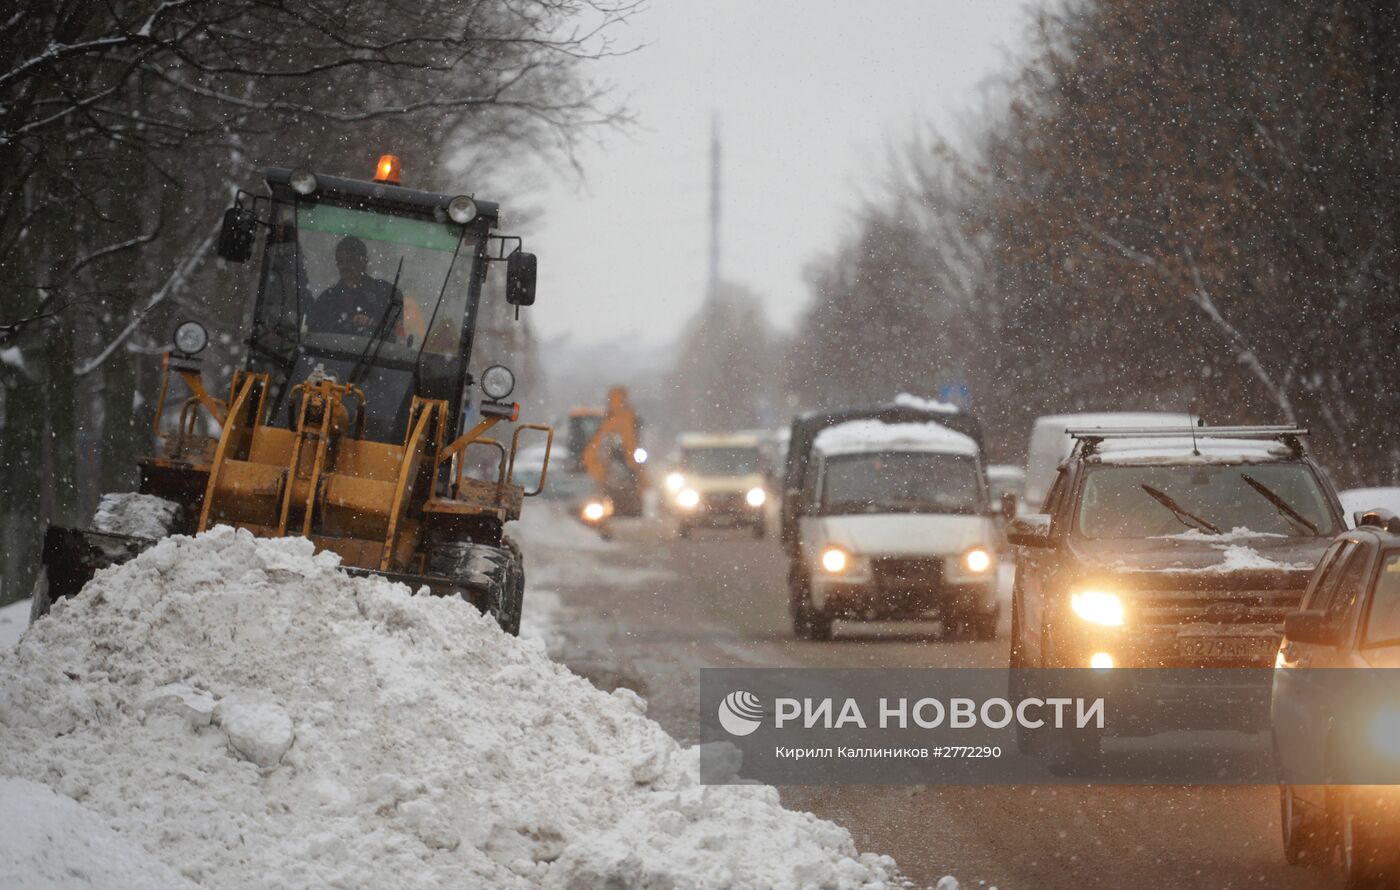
{"type": "Point", "coordinates": [516, 608]}
{"type": "Point", "coordinates": [494, 571]}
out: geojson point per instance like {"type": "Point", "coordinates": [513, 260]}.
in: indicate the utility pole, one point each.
{"type": "Point", "coordinates": [712, 291]}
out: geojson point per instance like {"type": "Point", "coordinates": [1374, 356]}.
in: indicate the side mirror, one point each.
{"type": "Point", "coordinates": [1008, 505]}
{"type": "Point", "coordinates": [1029, 531]}
{"type": "Point", "coordinates": [236, 234]}
{"type": "Point", "coordinates": [1310, 626]}
{"type": "Point", "coordinates": [520, 278]}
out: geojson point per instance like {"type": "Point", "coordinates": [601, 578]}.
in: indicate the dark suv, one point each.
{"type": "Point", "coordinates": [1336, 708]}
{"type": "Point", "coordinates": [1169, 548]}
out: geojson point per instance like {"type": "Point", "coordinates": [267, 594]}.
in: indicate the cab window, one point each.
{"type": "Point", "coordinates": [1383, 623]}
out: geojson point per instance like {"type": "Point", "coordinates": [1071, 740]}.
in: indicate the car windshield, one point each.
{"type": "Point", "coordinates": [720, 460]}
{"type": "Point", "coordinates": [901, 482]}
{"type": "Point", "coordinates": [1383, 624]}
{"type": "Point", "coordinates": [1146, 502]}
{"type": "Point", "coordinates": [359, 293]}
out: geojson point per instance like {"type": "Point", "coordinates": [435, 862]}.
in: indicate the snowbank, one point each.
{"type": "Point", "coordinates": [49, 841]}
{"type": "Point", "coordinates": [860, 436]}
{"type": "Point", "coordinates": [253, 717]}
{"type": "Point", "coordinates": [14, 618]}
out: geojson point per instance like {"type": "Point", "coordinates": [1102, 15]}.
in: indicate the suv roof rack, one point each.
{"type": "Point", "coordinates": [1090, 437]}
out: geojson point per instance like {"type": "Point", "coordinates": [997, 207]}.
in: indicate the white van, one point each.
{"type": "Point", "coordinates": [1049, 445]}
{"type": "Point", "coordinates": [900, 528]}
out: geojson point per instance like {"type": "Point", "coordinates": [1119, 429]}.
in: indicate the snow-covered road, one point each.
{"type": "Point", "coordinates": [719, 600]}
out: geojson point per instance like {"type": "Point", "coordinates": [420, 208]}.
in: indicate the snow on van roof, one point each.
{"type": "Point", "coordinates": [857, 436]}
{"type": "Point", "coordinates": [907, 400]}
{"type": "Point", "coordinates": [1183, 450]}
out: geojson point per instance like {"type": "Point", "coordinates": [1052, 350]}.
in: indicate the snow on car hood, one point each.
{"type": "Point", "coordinates": [1265, 560]}
{"type": "Point", "coordinates": [888, 534]}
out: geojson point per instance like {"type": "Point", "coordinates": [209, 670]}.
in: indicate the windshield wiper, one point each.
{"type": "Point", "coordinates": [1279, 503]}
{"type": "Point", "coordinates": [386, 323]}
{"type": "Point", "coordinates": [1185, 516]}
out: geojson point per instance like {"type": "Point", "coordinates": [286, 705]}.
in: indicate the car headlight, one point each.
{"type": "Point", "coordinates": [461, 209]}
{"type": "Point", "coordinates": [688, 498]}
{"type": "Point", "coordinates": [639, 455]}
{"type": "Point", "coordinates": [497, 382]}
{"type": "Point", "coordinates": [593, 511]}
{"type": "Point", "coordinates": [835, 560]}
{"type": "Point", "coordinates": [977, 560]}
{"type": "Point", "coordinates": [674, 482]}
{"type": "Point", "coordinates": [1097, 606]}
{"type": "Point", "coordinates": [756, 497]}
{"type": "Point", "coordinates": [191, 337]}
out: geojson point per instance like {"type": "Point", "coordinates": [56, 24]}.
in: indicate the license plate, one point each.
{"type": "Point", "coordinates": [1226, 647]}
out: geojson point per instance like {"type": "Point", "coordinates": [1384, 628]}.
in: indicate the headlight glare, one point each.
{"type": "Point", "coordinates": [756, 497]}
{"type": "Point", "coordinates": [689, 498]}
{"type": "Point", "coordinates": [1098, 607]}
{"type": "Point", "coordinates": [593, 511]}
{"type": "Point", "coordinates": [835, 560]}
{"type": "Point", "coordinates": [977, 560]}
{"type": "Point", "coordinates": [674, 482]}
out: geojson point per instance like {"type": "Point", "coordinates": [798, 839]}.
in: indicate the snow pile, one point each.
{"type": "Point", "coordinates": [51, 843]}
{"type": "Point", "coordinates": [1237, 558]}
{"type": "Point", "coordinates": [860, 436]}
{"type": "Point", "coordinates": [253, 717]}
{"type": "Point", "coordinates": [14, 618]}
{"type": "Point", "coordinates": [140, 515]}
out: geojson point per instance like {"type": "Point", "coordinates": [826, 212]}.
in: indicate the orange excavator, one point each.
{"type": "Point", "coordinates": [606, 445]}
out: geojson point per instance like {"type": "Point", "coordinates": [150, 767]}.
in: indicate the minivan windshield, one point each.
{"type": "Point", "coordinates": [721, 460]}
{"type": "Point", "coordinates": [901, 482]}
{"type": "Point", "coordinates": [1280, 499]}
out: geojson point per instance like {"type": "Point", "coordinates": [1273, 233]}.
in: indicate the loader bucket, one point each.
{"type": "Point", "coordinates": [72, 556]}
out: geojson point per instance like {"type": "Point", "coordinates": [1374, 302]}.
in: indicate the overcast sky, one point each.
{"type": "Point", "coordinates": [809, 94]}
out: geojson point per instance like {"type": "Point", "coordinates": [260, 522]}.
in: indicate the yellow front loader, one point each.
{"type": "Point", "coordinates": [349, 424]}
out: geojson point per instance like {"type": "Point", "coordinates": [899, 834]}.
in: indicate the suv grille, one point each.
{"type": "Point", "coordinates": [1175, 607]}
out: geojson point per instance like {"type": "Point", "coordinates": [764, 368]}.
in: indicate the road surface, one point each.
{"type": "Point", "coordinates": [647, 610]}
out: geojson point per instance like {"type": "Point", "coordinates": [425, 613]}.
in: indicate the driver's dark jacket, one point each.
{"type": "Point", "coordinates": [356, 309]}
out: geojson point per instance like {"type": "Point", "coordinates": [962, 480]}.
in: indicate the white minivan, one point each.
{"type": "Point", "coordinates": [900, 528]}
{"type": "Point", "coordinates": [1049, 445]}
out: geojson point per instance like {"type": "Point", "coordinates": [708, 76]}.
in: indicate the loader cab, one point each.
{"type": "Point", "coordinates": [375, 284]}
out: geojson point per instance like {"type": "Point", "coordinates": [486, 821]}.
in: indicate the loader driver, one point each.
{"type": "Point", "coordinates": [357, 304]}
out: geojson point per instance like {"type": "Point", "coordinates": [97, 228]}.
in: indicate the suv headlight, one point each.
{"type": "Point", "coordinates": [835, 560]}
{"type": "Point", "coordinates": [756, 497]}
{"type": "Point", "coordinates": [1098, 607]}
